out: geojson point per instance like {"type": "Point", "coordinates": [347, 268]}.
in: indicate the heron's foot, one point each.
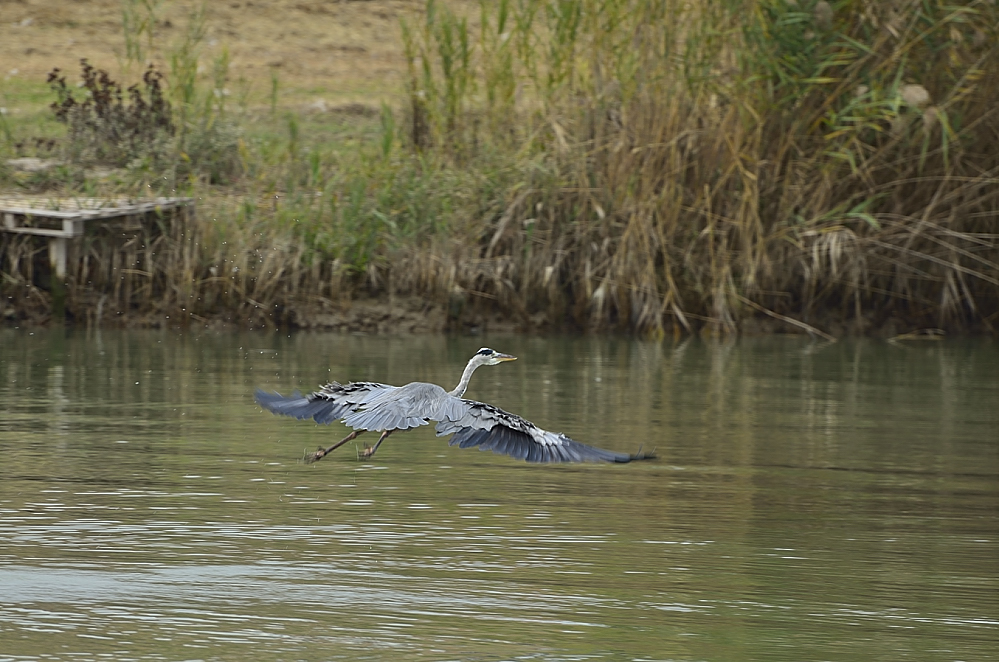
{"type": "Point", "coordinates": [315, 457]}
{"type": "Point", "coordinates": [367, 452]}
{"type": "Point", "coordinates": [651, 455]}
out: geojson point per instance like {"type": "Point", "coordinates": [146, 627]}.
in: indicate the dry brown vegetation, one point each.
{"type": "Point", "coordinates": [321, 50]}
{"type": "Point", "coordinates": [642, 165]}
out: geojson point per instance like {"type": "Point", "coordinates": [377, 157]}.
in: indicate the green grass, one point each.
{"type": "Point", "coordinates": [27, 113]}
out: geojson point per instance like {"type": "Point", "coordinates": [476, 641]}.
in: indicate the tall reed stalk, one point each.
{"type": "Point", "coordinates": [712, 161]}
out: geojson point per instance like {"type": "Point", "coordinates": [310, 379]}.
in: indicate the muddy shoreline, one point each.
{"type": "Point", "coordinates": [412, 315]}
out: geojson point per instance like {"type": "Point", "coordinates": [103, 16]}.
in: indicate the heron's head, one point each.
{"type": "Point", "coordinates": [486, 356]}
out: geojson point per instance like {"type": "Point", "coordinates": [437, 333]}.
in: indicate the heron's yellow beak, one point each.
{"type": "Point", "coordinates": [504, 357]}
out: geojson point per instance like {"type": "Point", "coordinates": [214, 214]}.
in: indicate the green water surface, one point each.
{"type": "Point", "coordinates": [810, 502]}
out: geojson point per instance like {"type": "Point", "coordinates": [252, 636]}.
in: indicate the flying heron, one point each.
{"type": "Point", "coordinates": [369, 406]}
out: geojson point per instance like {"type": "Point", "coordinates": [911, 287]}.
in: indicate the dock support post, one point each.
{"type": "Point", "coordinates": [57, 260]}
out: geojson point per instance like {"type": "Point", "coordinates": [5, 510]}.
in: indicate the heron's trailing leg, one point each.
{"type": "Point", "coordinates": [323, 452]}
{"type": "Point", "coordinates": [368, 452]}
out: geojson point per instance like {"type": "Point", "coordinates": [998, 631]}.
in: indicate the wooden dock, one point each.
{"type": "Point", "coordinates": [64, 219]}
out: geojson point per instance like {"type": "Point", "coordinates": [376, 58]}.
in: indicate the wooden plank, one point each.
{"type": "Point", "coordinates": [73, 220]}
{"type": "Point", "coordinates": [40, 232]}
{"type": "Point", "coordinates": [89, 214]}
{"type": "Point", "coordinates": [41, 213]}
{"type": "Point", "coordinates": [40, 202]}
{"type": "Point", "coordinates": [72, 227]}
{"type": "Point", "coordinates": [119, 208]}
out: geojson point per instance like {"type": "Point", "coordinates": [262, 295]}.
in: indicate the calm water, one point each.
{"type": "Point", "coordinates": [810, 503]}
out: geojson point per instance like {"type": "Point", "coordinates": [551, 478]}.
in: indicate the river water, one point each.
{"type": "Point", "coordinates": [809, 502]}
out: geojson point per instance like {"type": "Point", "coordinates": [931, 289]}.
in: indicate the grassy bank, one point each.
{"type": "Point", "coordinates": [631, 164]}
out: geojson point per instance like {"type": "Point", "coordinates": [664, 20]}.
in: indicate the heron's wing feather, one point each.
{"type": "Point", "coordinates": [405, 407]}
{"type": "Point", "coordinates": [491, 428]}
{"type": "Point", "coordinates": [332, 402]}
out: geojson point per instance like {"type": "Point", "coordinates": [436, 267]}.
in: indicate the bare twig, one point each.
{"type": "Point", "coordinates": [784, 318]}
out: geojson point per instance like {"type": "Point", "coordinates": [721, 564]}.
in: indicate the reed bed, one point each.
{"type": "Point", "coordinates": [642, 165]}
{"type": "Point", "coordinates": [709, 162]}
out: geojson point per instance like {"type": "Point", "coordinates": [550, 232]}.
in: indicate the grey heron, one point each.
{"type": "Point", "coordinates": [370, 406]}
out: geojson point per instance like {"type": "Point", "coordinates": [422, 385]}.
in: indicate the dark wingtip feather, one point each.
{"type": "Point", "coordinates": [275, 402]}
{"type": "Point", "coordinates": [298, 406]}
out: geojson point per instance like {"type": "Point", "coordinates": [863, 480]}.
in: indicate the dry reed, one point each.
{"type": "Point", "coordinates": [704, 162]}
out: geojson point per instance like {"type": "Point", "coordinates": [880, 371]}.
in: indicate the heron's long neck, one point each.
{"type": "Point", "coordinates": [466, 376]}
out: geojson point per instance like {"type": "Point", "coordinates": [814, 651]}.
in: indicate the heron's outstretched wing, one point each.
{"type": "Point", "coordinates": [491, 428]}
{"type": "Point", "coordinates": [331, 403]}
{"type": "Point", "coordinates": [406, 407]}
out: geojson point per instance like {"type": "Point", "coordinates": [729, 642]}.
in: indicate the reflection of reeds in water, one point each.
{"type": "Point", "coordinates": [639, 164]}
